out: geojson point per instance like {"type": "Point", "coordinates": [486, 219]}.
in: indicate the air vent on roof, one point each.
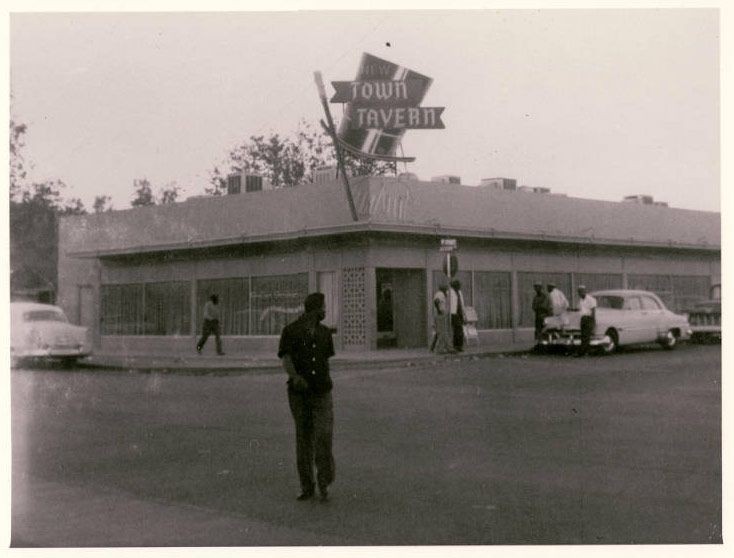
{"type": "Point", "coordinates": [234, 183]}
{"type": "Point", "coordinates": [407, 177]}
{"type": "Point", "coordinates": [534, 189]}
{"type": "Point", "coordinates": [499, 183]}
{"type": "Point", "coordinates": [642, 199]}
{"type": "Point", "coordinates": [239, 183]}
{"type": "Point", "coordinates": [447, 179]}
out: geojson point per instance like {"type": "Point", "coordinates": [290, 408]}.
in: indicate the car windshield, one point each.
{"type": "Point", "coordinates": [608, 301]}
{"type": "Point", "coordinates": [44, 316]}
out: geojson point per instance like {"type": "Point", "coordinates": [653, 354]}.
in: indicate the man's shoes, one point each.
{"type": "Point", "coordinates": [198, 349]}
{"type": "Point", "coordinates": [305, 495]}
{"type": "Point", "coordinates": [221, 354]}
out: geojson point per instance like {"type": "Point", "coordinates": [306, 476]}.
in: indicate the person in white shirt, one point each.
{"type": "Point", "coordinates": [587, 307]}
{"type": "Point", "coordinates": [211, 325]}
{"type": "Point", "coordinates": [441, 341]}
{"type": "Point", "coordinates": [559, 302]}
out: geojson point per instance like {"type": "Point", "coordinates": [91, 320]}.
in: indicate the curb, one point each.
{"type": "Point", "coordinates": [335, 366]}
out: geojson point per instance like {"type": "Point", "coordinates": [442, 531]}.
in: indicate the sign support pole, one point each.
{"type": "Point", "coordinates": [449, 328]}
{"type": "Point", "coordinates": [335, 140]}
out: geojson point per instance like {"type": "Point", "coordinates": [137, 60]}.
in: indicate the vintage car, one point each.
{"type": "Point", "coordinates": [705, 318]}
{"type": "Point", "coordinates": [42, 331]}
{"type": "Point", "coordinates": [623, 317]}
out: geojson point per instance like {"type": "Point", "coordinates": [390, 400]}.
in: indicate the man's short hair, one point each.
{"type": "Point", "coordinates": [214, 298]}
{"type": "Point", "coordinates": [455, 283]}
{"type": "Point", "coordinates": [314, 301]}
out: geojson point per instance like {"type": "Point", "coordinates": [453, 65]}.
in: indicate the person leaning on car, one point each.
{"type": "Point", "coordinates": [587, 308]}
{"type": "Point", "coordinates": [541, 307]}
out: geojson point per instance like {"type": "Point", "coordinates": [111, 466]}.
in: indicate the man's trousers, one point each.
{"type": "Point", "coordinates": [314, 418]}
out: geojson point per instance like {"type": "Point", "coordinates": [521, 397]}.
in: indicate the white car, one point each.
{"type": "Point", "coordinates": [42, 331]}
{"type": "Point", "coordinates": [623, 317]}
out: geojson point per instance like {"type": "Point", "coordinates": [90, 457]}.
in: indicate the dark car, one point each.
{"type": "Point", "coordinates": [705, 318]}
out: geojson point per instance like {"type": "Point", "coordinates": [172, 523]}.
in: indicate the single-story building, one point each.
{"type": "Point", "coordinates": [139, 277]}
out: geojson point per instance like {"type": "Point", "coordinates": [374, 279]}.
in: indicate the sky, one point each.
{"type": "Point", "coordinates": [597, 104]}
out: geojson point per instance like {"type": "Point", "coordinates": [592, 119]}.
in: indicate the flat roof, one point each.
{"type": "Point", "coordinates": [389, 205]}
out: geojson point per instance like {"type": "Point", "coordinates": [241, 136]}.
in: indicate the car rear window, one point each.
{"type": "Point", "coordinates": [43, 316]}
{"type": "Point", "coordinates": [615, 302]}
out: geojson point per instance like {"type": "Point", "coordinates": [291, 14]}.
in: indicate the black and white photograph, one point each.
{"type": "Point", "coordinates": [307, 276]}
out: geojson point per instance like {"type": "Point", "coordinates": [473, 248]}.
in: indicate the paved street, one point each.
{"type": "Point", "coordinates": [498, 450]}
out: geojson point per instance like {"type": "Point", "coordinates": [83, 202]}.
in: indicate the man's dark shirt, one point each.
{"type": "Point", "coordinates": [542, 305]}
{"type": "Point", "coordinates": [309, 353]}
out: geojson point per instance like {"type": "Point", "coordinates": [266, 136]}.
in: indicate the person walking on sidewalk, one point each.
{"type": "Point", "coordinates": [441, 342]}
{"type": "Point", "coordinates": [305, 348]}
{"type": "Point", "coordinates": [458, 318]}
{"type": "Point", "coordinates": [211, 324]}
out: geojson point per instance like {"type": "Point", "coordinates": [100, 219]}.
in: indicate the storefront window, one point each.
{"type": "Point", "coordinates": [168, 308]}
{"type": "Point", "coordinates": [123, 309]}
{"type": "Point", "coordinates": [276, 301]}
{"type": "Point", "coordinates": [493, 299]}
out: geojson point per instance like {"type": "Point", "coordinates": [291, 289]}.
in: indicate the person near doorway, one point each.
{"type": "Point", "coordinates": [211, 325]}
{"type": "Point", "coordinates": [458, 318]}
{"type": "Point", "coordinates": [587, 307]}
{"type": "Point", "coordinates": [542, 309]}
{"type": "Point", "coordinates": [441, 342]}
{"type": "Point", "coordinates": [305, 348]}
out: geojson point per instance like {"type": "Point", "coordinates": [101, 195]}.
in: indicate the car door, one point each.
{"type": "Point", "coordinates": [653, 318]}
{"type": "Point", "coordinates": [633, 325]}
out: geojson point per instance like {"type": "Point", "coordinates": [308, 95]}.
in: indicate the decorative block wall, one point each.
{"type": "Point", "coordinates": [354, 318]}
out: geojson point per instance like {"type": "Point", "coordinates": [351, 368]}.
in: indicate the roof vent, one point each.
{"type": "Point", "coordinates": [238, 183]}
{"type": "Point", "coordinates": [447, 179]}
{"type": "Point", "coordinates": [534, 189]}
{"type": "Point", "coordinates": [642, 199]}
{"type": "Point", "coordinates": [499, 183]}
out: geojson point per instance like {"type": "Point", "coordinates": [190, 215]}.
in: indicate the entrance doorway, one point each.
{"type": "Point", "coordinates": [401, 313]}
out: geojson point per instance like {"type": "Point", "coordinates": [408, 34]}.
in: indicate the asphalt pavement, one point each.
{"type": "Point", "coordinates": [493, 449]}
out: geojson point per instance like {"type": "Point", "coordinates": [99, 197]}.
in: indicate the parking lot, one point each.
{"type": "Point", "coordinates": [536, 449]}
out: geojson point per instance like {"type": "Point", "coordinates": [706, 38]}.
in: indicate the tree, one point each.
{"type": "Point", "coordinates": [17, 168]}
{"type": "Point", "coordinates": [34, 235]}
{"type": "Point", "coordinates": [288, 161]}
{"type": "Point", "coordinates": [34, 212]}
{"type": "Point", "coordinates": [102, 204]}
{"type": "Point", "coordinates": [143, 193]}
{"type": "Point", "coordinates": [169, 194]}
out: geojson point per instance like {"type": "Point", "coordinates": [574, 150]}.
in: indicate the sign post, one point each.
{"type": "Point", "coordinates": [448, 245]}
{"type": "Point", "coordinates": [335, 140]}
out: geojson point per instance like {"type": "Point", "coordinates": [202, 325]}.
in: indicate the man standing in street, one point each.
{"type": "Point", "coordinates": [211, 324]}
{"type": "Point", "coordinates": [587, 306]}
{"type": "Point", "coordinates": [305, 347]}
{"type": "Point", "coordinates": [542, 309]}
{"type": "Point", "coordinates": [456, 299]}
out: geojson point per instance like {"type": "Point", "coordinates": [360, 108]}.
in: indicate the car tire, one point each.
{"type": "Point", "coordinates": [670, 340]}
{"type": "Point", "coordinates": [613, 344]}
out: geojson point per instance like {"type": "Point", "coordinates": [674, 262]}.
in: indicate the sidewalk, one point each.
{"type": "Point", "coordinates": [246, 362]}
